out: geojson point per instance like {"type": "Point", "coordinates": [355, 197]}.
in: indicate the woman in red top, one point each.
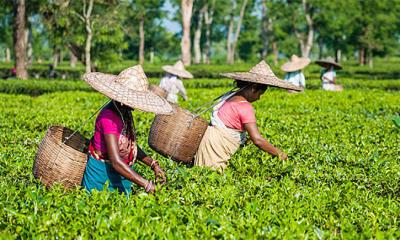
{"type": "Point", "coordinates": [234, 116]}
{"type": "Point", "coordinates": [113, 149]}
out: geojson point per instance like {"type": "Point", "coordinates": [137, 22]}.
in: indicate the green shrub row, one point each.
{"type": "Point", "coordinates": [341, 180]}
{"type": "Point", "coordinates": [384, 69]}
{"type": "Point", "coordinates": [42, 86]}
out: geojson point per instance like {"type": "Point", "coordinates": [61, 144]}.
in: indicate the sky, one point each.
{"type": "Point", "coordinates": [171, 26]}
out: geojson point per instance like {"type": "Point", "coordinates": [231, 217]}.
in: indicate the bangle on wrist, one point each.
{"type": "Point", "coordinates": [148, 186]}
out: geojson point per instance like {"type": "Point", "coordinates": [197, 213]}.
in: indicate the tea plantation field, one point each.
{"type": "Point", "coordinates": [342, 179]}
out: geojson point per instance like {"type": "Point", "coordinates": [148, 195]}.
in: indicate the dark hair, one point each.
{"type": "Point", "coordinates": [257, 86]}
{"type": "Point", "coordinates": [124, 112]}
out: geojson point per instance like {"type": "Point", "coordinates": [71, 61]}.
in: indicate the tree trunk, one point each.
{"type": "Point", "coordinates": [8, 55]}
{"type": "Point", "coordinates": [307, 46]}
{"type": "Point", "coordinates": [187, 7]}
{"type": "Point", "coordinates": [338, 55]}
{"type": "Point", "coordinates": [56, 56]}
{"type": "Point", "coordinates": [77, 51]}
{"type": "Point", "coordinates": [238, 27]}
{"type": "Point", "coordinates": [19, 39]}
{"type": "Point", "coordinates": [370, 58]}
{"type": "Point", "coordinates": [305, 42]}
{"type": "Point", "coordinates": [141, 36]}
{"type": "Point", "coordinates": [228, 40]}
{"type": "Point", "coordinates": [197, 36]}
{"type": "Point", "coordinates": [275, 50]}
{"type": "Point", "coordinates": [152, 56]}
{"type": "Point", "coordinates": [208, 19]}
{"type": "Point", "coordinates": [72, 59]}
{"type": "Point", "coordinates": [264, 29]}
{"type": "Point", "coordinates": [88, 26]}
{"type": "Point", "coordinates": [361, 56]}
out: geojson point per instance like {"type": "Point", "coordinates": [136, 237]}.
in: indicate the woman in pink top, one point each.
{"type": "Point", "coordinates": [113, 149]}
{"type": "Point", "coordinates": [234, 116]}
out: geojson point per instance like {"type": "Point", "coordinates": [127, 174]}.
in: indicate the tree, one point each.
{"type": "Point", "coordinates": [91, 29]}
{"type": "Point", "coordinates": [197, 34]}
{"type": "Point", "coordinates": [19, 38]}
{"type": "Point", "coordinates": [376, 27]}
{"type": "Point", "coordinates": [6, 30]}
{"type": "Point", "coordinates": [56, 22]}
{"type": "Point", "coordinates": [86, 17]}
{"type": "Point", "coordinates": [208, 20]}
{"type": "Point", "coordinates": [305, 34]}
{"type": "Point", "coordinates": [231, 38]}
{"type": "Point", "coordinates": [266, 24]}
{"type": "Point", "coordinates": [186, 10]}
{"type": "Point", "coordinates": [278, 27]}
{"type": "Point", "coordinates": [144, 12]}
{"type": "Point", "coordinates": [249, 45]}
{"type": "Point", "coordinates": [335, 24]}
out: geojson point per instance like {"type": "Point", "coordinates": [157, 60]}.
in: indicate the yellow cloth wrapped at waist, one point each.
{"type": "Point", "coordinates": [216, 148]}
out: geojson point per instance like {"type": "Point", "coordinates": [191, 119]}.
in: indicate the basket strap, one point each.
{"type": "Point", "coordinates": [216, 101]}
{"type": "Point", "coordinates": [87, 120]}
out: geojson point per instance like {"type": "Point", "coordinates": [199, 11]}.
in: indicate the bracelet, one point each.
{"type": "Point", "coordinates": [148, 186]}
{"type": "Point", "coordinates": [153, 163]}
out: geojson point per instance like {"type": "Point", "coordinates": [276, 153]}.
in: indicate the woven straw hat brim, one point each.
{"type": "Point", "coordinates": [177, 72]}
{"type": "Point", "coordinates": [295, 66]}
{"type": "Point", "coordinates": [327, 64]}
{"type": "Point", "coordinates": [142, 100]}
{"type": "Point", "coordinates": [261, 79]}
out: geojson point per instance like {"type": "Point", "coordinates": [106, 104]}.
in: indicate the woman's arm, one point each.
{"type": "Point", "coordinates": [122, 168]}
{"type": "Point", "coordinates": [182, 90]}
{"type": "Point", "coordinates": [158, 172]}
{"type": "Point", "coordinates": [261, 142]}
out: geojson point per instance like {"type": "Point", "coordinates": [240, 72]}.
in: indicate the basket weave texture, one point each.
{"type": "Point", "coordinates": [158, 91]}
{"type": "Point", "coordinates": [61, 162]}
{"type": "Point", "coordinates": [177, 136]}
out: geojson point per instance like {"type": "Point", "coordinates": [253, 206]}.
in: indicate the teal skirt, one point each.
{"type": "Point", "coordinates": [100, 175]}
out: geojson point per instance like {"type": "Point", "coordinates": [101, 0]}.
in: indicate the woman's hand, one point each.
{"type": "Point", "coordinates": [282, 156]}
{"type": "Point", "coordinates": [262, 143]}
{"type": "Point", "coordinates": [120, 166]}
{"type": "Point", "coordinates": [159, 174]}
{"type": "Point", "coordinates": [153, 164]}
{"type": "Point", "coordinates": [150, 187]}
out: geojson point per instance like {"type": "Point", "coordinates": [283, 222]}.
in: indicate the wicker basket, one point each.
{"type": "Point", "coordinates": [157, 90]}
{"type": "Point", "coordinates": [61, 162]}
{"type": "Point", "coordinates": [177, 136]}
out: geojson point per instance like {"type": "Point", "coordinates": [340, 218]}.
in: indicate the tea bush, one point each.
{"type": "Point", "coordinates": [35, 87]}
{"type": "Point", "coordinates": [384, 68]}
{"type": "Point", "coordinates": [341, 179]}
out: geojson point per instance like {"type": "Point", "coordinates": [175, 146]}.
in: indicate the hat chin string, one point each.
{"type": "Point", "coordinates": [122, 117]}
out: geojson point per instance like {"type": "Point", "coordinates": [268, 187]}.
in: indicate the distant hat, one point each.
{"type": "Point", "coordinates": [130, 87]}
{"type": "Point", "coordinates": [262, 74]}
{"type": "Point", "coordinates": [296, 63]}
{"type": "Point", "coordinates": [326, 63]}
{"type": "Point", "coordinates": [178, 69]}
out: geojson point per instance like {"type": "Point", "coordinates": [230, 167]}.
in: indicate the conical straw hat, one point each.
{"type": "Point", "coordinates": [130, 87]}
{"type": "Point", "coordinates": [296, 63]}
{"type": "Point", "coordinates": [326, 63]}
{"type": "Point", "coordinates": [178, 69]}
{"type": "Point", "coordinates": [262, 74]}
